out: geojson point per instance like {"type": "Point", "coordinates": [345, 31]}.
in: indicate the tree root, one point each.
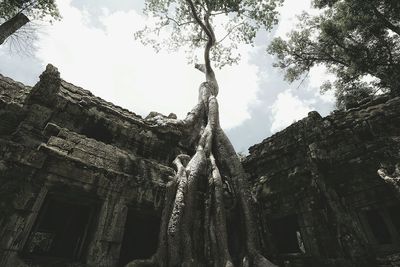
{"type": "Point", "coordinates": [393, 179]}
{"type": "Point", "coordinates": [193, 229]}
{"type": "Point", "coordinates": [143, 263]}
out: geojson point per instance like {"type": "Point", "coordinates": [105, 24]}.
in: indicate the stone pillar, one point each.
{"type": "Point", "coordinates": [105, 247]}
{"type": "Point", "coordinates": [16, 232]}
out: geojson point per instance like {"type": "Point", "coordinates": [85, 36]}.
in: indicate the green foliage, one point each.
{"type": "Point", "coordinates": [237, 21]}
{"type": "Point", "coordinates": [33, 9]}
{"type": "Point", "coordinates": [357, 40]}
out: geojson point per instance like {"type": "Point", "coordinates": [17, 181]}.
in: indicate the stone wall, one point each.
{"type": "Point", "coordinates": [60, 144]}
{"type": "Point", "coordinates": [319, 177]}
{"type": "Point", "coordinates": [80, 171]}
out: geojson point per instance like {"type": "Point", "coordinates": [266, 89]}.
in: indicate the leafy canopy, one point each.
{"type": "Point", "coordinates": [357, 40]}
{"type": "Point", "coordinates": [236, 21]}
{"type": "Point", "coordinates": [33, 9]}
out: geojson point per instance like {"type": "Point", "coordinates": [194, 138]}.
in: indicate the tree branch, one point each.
{"type": "Point", "coordinates": [210, 75]}
{"type": "Point", "coordinates": [207, 28]}
{"type": "Point", "coordinates": [180, 24]}
{"type": "Point", "coordinates": [12, 25]}
{"type": "Point", "coordinates": [229, 32]}
{"type": "Point", "coordinates": [222, 12]}
{"type": "Point", "coordinates": [387, 23]}
{"type": "Point", "coordinates": [197, 19]}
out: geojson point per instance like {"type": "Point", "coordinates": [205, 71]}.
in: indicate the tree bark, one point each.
{"type": "Point", "coordinates": [193, 224]}
{"type": "Point", "coordinates": [11, 26]}
{"type": "Point", "coordinates": [198, 186]}
{"type": "Point", "coordinates": [393, 180]}
{"type": "Point", "coordinates": [386, 22]}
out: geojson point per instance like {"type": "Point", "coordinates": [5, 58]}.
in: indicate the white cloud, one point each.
{"type": "Point", "coordinates": [318, 74]}
{"type": "Point", "coordinates": [110, 63]}
{"type": "Point", "coordinates": [287, 109]}
{"type": "Point", "coordinates": [288, 12]}
{"type": "Point", "coordinates": [239, 86]}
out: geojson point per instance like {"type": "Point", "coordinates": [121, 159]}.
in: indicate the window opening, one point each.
{"type": "Point", "coordinates": [286, 234]}
{"type": "Point", "coordinates": [61, 230]}
{"type": "Point", "coordinates": [140, 237]}
{"type": "Point", "coordinates": [378, 227]}
{"type": "Point", "coordinates": [395, 216]}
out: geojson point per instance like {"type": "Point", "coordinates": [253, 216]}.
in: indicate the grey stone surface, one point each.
{"type": "Point", "coordinates": [296, 171]}
{"type": "Point", "coordinates": [53, 143]}
{"type": "Point", "coordinates": [314, 183]}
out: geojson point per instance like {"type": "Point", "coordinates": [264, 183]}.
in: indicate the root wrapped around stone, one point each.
{"type": "Point", "coordinates": [193, 228]}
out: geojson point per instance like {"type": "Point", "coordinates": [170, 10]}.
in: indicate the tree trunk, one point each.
{"type": "Point", "coordinates": [194, 228]}
{"type": "Point", "coordinates": [393, 180]}
{"type": "Point", "coordinates": [11, 26]}
{"type": "Point", "coordinates": [194, 220]}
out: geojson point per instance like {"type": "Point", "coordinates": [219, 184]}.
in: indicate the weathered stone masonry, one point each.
{"type": "Point", "coordinates": [59, 143]}
{"type": "Point", "coordinates": [82, 181]}
{"type": "Point", "coordinates": [318, 178]}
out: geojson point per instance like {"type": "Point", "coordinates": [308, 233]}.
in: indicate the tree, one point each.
{"type": "Point", "coordinates": [393, 180]}
{"type": "Point", "coordinates": [357, 40]}
{"type": "Point", "coordinates": [17, 13]}
{"type": "Point", "coordinates": [209, 191]}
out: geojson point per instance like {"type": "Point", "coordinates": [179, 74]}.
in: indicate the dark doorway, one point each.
{"type": "Point", "coordinates": [236, 238]}
{"type": "Point", "coordinates": [286, 235]}
{"type": "Point", "coordinates": [395, 216]}
{"type": "Point", "coordinates": [378, 227]}
{"type": "Point", "coordinates": [140, 237]}
{"type": "Point", "coordinates": [60, 231]}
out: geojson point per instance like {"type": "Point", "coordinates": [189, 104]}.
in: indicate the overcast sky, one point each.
{"type": "Point", "coordinates": [93, 47]}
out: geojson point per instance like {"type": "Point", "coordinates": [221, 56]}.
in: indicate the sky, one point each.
{"type": "Point", "coordinates": [93, 46]}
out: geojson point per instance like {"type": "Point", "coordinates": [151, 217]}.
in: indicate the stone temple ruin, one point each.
{"type": "Point", "coordinates": [82, 182]}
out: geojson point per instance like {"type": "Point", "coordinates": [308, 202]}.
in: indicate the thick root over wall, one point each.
{"type": "Point", "coordinates": [194, 229]}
